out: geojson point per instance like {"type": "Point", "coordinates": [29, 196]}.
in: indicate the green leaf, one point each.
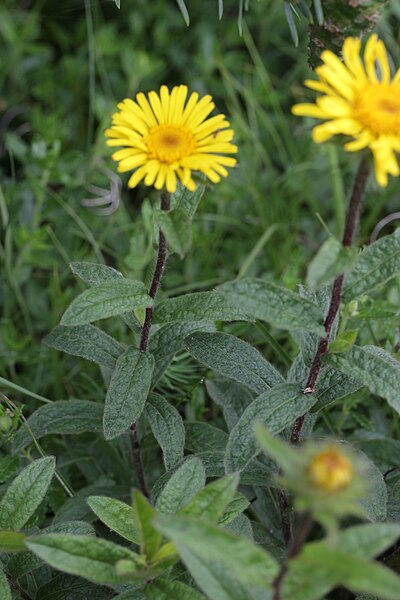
{"type": "Point", "coordinates": [375, 498]}
{"type": "Point", "coordinates": [201, 437]}
{"type": "Point", "coordinates": [256, 473]}
{"type": "Point", "coordinates": [25, 493]}
{"type": "Point", "coordinates": [177, 228]}
{"type": "Point", "coordinates": [94, 273]}
{"type": "Point", "coordinates": [250, 563]}
{"type": "Point", "coordinates": [231, 396]}
{"type": "Point", "coordinates": [332, 259]}
{"type": "Point", "coordinates": [5, 591]}
{"type": "Point", "coordinates": [117, 515]}
{"type": "Point", "coordinates": [332, 386]}
{"type": "Point", "coordinates": [106, 300]}
{"type": "Point", "coordinates": [268, 302]}
{"type": "Point", "coordinates": [233, 358]}
{"type": "Point", "coordinates": [86, 341]}
{"type": "Point", "coordinates": [150, 538]}
{"type": "Point", "coordinates": [277, 409]}
{"type": "Point", "coordinates": [24, 562]}
{"type": "Point", "coordinates": [8, 467]}
{"type": "Point", "coordinates": [217, 580]}
{"type": "Point", "coordinates": [167, 427]}
{"type": "Point", "coordinates": [367, 541]}
{"type": "Point", "coordinates": [375, 265]}
{"type": "Point", "coordinates": [70, 417]}
{"type": "Point", "coordinates": [127, 392]}
{"type": "Point", "coordinates": [318, 569]}
{"type": "Point", "coordinates": [91, 558]}
{"type": "Point", "coordinates": [343, 342]}
{"type": "Point", "coordinates": [187, 479]}
{"type": "Point", "coordinates": [171, 590]}
{"type": "Point", "coordinates": [187, 201]}
{"type": "Point", "coordinates": [11, 541]}
{"type": "Point", "coordinates": [210, 502]}
{"type": "Point", "coordinates": [285, 455]}
{"type": "Point", "coordinates": [374, 367]}
{"type": "Point", "coordinates": [196, 307]}
{"type": "Point", "coordinates": [67, 587]}
{"type": "Point", "coordinates": [234, 509]}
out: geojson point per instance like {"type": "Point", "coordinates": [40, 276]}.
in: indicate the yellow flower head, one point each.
{"type": "Point", "coordinates": [165, 138]}
{"type": "Point", "coordinates": [360, 100]}
{"type": "Point", "coordinates": [330, 470]}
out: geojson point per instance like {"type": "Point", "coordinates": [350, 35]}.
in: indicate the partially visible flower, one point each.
{"type": "Point", "coordinates": [165, 138]}
{"type": "Point", "coordinates": [330, 470]}
{"type": "Point", "coordinates": [360, 100]}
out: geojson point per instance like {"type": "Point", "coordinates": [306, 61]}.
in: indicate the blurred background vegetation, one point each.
{"type": "Point", "coordinates": [64, 67]}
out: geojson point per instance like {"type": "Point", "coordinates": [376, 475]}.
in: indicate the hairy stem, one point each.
{"type": "Point", "coordinates": [162, 256]}
{"type": "Point", "coordinates": [301, 536]}
{"type": "Point", "coordinates": [347, 240]}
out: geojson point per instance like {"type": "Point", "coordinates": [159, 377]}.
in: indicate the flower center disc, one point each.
{"type": "Point", "coordinates": [169, 143]}
{"type": "Point", "coordinates": [378, 108]}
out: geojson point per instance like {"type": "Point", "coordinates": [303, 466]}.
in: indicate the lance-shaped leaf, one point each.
{"type": "Point", "coordinates": [91, 558]}
{"type": "Point", "coordinates": [276, 409]}
{"type": "Point", "coordinates": [8, 467]}
{"type": "Point", "coordinates": [210, 502]}
{"type": "Point", "coordinates": [106, 300]}
{"type": "Point", "coordinates": [249, 563]}
{"type": "Point", "coordinates": [25, 493]}
{"type": "Point", "coordinates": [196, 307]}
{"type": "Point", "coordinates": [374, 266]}
{"type": "Point", "coordinates": [186, 480]}
{"type": "Point", "coordinates": [94, 273]}
{"type": "Point", "coordinates": [167, 427]}
{"type": "Point", "coordinates": [374, 367]}
{"type": "Point", "coordinates": [68, 417]}
{"type": "Point", "coordinates": [127, 392]}
{"type": "Point", "coordinates": [150, 538]}
{"type": "Point", "coordinates": [117, 515]}
{"type": "Point", "coordinates": [278, 306]}
{"type": "Point", "coordinates": [86, 341]}
{"type": "Point", "coordinates": [233, 358]}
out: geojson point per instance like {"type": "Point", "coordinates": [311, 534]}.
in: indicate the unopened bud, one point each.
{"type": "Point", "coordinates": [330, 470]}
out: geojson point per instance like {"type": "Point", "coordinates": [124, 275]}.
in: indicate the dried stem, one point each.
{"type": "Point", "coordinates": [162, 256]}
{"type": "Point", "coordinates": [348, 236]}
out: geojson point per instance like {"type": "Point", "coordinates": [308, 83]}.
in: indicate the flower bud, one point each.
{"type": "Point", "coordinates": [330, 470]}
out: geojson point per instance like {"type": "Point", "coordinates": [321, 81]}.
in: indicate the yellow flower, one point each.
{"type": "Point", "coordinates": [330, 470]}
{"type": "Point", "coordinates": [165, 138]}
{"type": "Point", "coordinates": [360, 100]}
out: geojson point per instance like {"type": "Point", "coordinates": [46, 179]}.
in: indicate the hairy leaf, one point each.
{"type": "Point", "coordinates": [64, 416]}
{"type": "Point", "coordinates": [278, 306]}
{"type": "Point", "coordinates": [276, 409]}
{"type": "Point", "coordinates": [233, 358]}
{"type": "Point", "coordinates": [180, 488]}
{"type": "Point", "coordinates": [167, 427]}
{"type": "Point", "coordinates": [375, 265]}
{"type": "Point", "coordinates": [86, 341]}
{"type": "Point", "coordinates": [374, 367]}
{"type": "Point", "coordinates": [196, 307]}
{"type": "Point", "coordinates": [127, 392]}
{"type": "Point", "coordinates": [117, 515]}
{"type": "Point", "coordinates": [106, 300]}
{"type": "Point", "coordinates": [25, 493]}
